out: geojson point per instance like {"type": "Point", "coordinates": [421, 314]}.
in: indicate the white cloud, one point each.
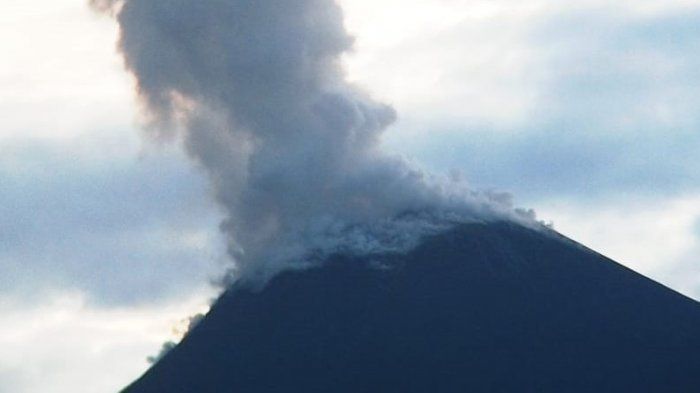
{"type": "Point", "coordinates": [658, 238]}
{"type": "Point", "coordinates": [94, 228]}
{"type": "Point", "coordinates": [65, 345]}
{"type": "Point", "coordinates": [475, 63]}
{"type": "Point", "coordinates": [105, 249]}
{"type": "Point", "coordinates": [60, 75]}
{"type": "Point", "coordinates": [437, 59]}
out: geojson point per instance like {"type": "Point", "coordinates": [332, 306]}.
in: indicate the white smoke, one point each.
{"type": "Point", "coordinates": [256, 91]}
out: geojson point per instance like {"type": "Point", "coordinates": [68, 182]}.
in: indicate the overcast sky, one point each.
{"type": "Point", "coordinates": [587, 111]}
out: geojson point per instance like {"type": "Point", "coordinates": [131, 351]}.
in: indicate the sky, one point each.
{"type": "Point", "coordinates": [585, 110]}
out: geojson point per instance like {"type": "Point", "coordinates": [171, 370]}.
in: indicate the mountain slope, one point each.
{"type": "Point", "coordinates": [482, 308]}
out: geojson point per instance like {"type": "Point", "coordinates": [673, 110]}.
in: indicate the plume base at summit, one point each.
{"type": "Point", "coordinates": [495, 307]}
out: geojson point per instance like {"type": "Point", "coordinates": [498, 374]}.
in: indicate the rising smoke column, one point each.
{"type": "Point", "coordinates": [256, 92]}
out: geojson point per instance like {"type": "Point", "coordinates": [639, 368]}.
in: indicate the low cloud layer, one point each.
{"type": "Point", "coordinates": [66, 345]}
{"type": "Point", "coordinates": [256, 92]}
{"type": "Point", "coordinates": [89, 215]}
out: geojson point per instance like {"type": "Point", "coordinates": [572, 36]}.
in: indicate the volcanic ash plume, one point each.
{"type": "Point", "coordinates": [256, 92]}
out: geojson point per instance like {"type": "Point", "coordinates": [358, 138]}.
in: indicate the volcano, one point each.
{"type": "Point", "coordinates": [483, 307]}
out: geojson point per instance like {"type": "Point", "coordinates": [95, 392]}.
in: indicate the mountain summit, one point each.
{"type": "Point", "coordinates": [481, 308]}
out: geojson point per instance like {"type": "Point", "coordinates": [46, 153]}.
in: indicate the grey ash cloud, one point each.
{"type": "Point", "coordinates": [256, 92]}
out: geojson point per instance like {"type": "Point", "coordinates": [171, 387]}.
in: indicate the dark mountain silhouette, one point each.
{"type": "Point", "coordinates": [482, 308]}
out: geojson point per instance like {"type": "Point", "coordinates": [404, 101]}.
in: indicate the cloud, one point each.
{"type": "Point", "coordinates": [658, 238]}
{"type": "Point", "coordinates": [67, 345]}
{"type": "Point", "coordinates": [257, 93]}
{"type": "Point", "coordinates": [88, 214]}
{"type": "Point", "coordinates": [550, 163]}
{"type": "Point", "coordinates": [612, 108]}
{"type": "Point", "coordinates": [60, 76]}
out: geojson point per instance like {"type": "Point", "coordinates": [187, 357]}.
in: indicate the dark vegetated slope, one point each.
{"type": "Point", "coordinates": [483, 308]}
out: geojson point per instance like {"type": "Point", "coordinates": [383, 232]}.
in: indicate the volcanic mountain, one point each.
{"type": "Point", "coordinates": [487, 307]}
